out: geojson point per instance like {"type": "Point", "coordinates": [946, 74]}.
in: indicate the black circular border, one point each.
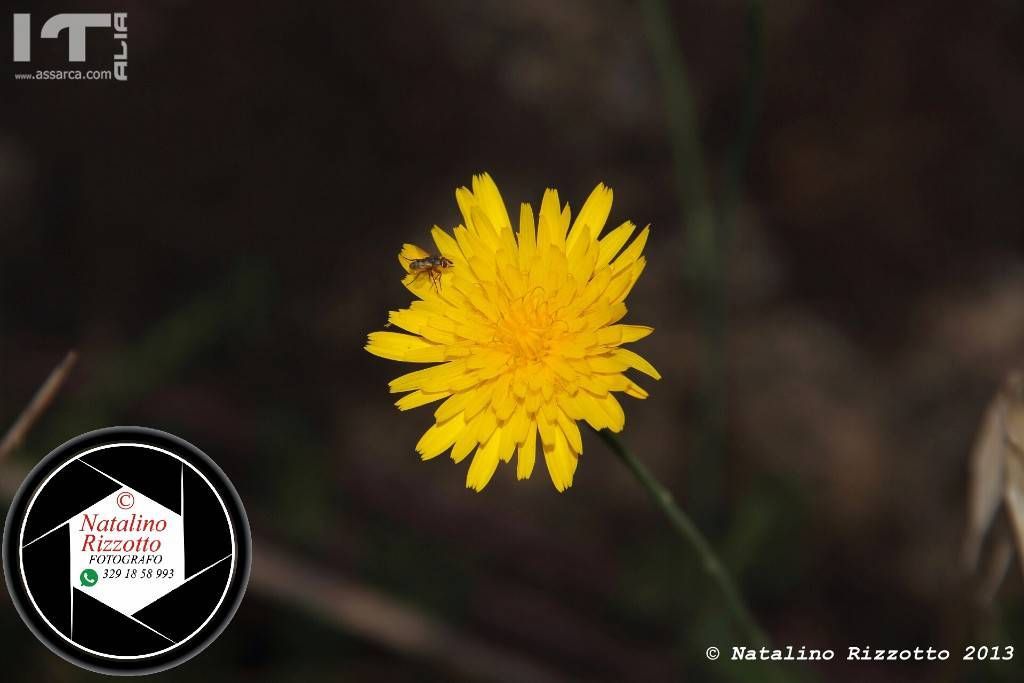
{"type": "Point", "coordinates": [223, 615]}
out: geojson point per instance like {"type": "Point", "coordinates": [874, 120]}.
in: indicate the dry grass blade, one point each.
{"type": "Point", "coordinates": [997, 482]}
{"type": "Point", "coordinates": [1015, 500]}
{"type": "Point", "coordinates": [985, 492]}
{"type": "Point", "coordinates": [37, 406]}
{"type": "Point", "coordinates": [992, 573]}
{"type": "Point", "coordinates": [377, 617]}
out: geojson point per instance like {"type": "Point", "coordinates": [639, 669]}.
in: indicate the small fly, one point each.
{"type": "Point", "coordinates": [433, 266]}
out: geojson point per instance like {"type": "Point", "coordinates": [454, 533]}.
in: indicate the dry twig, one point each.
{"type": "Point", "coordinates": [370, 614]}
{"type": "Point", "coordinates": [37, 406]}
{"type": "Point", "coordinates": [997, 483]}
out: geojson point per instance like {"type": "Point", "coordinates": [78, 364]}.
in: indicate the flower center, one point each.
{"type": "Point", "coordinates": [529, 329]}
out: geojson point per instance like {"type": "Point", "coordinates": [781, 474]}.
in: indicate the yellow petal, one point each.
{"type": "Point", "coordinates": [479, 397]}
{"type": "Point", "coordinates": [635, 361]}
{"type": "Point", "coordinates": [635, 390]}
{"type": "Point", "coordinates": [527, 236]}
{"type": "Point", "coordinates": [527, 453]}
{"type": "Point", "coordinates": [440, 437]}
{"type": "Point", "coordinates": [486, 358]}
{"type": "Point", "coordinates": [486, 192]}
{"type": "Point", "coordinates": [613, 335]}
{"type": "Point", "coordinates": [434, 378]}
{"type": "Point", "coordinates": [592, 411]}
{"type": "Point", "coordinates": [481, 469]}
{"type": "Point", "coordinates": [432, 327]}
{"type": "Point", "coordinates": [485, 230]}
{"type": "Point", "coordinates": [613, 409]}
{"type": "Point", "coordinates": [421, 284]}
{"type": "Point", "coordinates": [632, 252]}
{"type": "Point", "coordinates": [461, 234]}
{"type": "Point", "coordinates": [603, 314]}
{"type": "Point", "coordinates": [504, 401]}
{"type": "Point", "coordinates": [561, 461]}
{"type": "Point", "coordinates": [446, 244]}
{"type": "Point", "coordinates": [418, 398]}
{"type": "Point", "coordinates": [486, 424]}
{"type": "Point", "coordinates": [582, 259]}
{"type": "Point", "coordinates": [560, 367]}
{"type": "Point", "coordinates": [466, 441]}
{"type": "Point", "coordinates": [571, 431]}
{"type": "Point", "coordinates": [532, 402]}
{"type": "Point", "coordinates": [622, 284]}
{"type": "Point", "coordinates": [518, 424]}
{"type": "Point", "coordinates": [571, 406]}
{"type": "Point", "coordinates": [606, 363]}
{"type": "Point", "coordinates": [453, 406]}
{"type": "Point", "coordinates": [613, 241]}
{"type": "Point", "coordinates": [409, 253]}
{"type": "Point", "coordinates": [549, 222]}
{"type": "Point", "coordinates": [508, 445]}
{"type": "Point", "coordinates": [593, 290]}
{"type": "Point", "coordinates": [546, 430]}
{"type": "Point", "coordinates": [406, 347]}
{"type": "Point", "coordinates": [592, 217]}
{"type": "Point", "coordinates": [466, 201]}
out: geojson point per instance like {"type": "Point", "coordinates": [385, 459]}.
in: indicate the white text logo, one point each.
{"type": "Point", "coordinates": [76, 26]}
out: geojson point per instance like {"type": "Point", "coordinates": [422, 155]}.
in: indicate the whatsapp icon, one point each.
{"type": "Point", "coordinates": [89, 577]}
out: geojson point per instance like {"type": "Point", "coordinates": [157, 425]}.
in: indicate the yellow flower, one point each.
{"type": "Point", "coordinates": [524, 328]}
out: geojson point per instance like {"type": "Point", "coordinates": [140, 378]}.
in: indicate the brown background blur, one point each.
{"type": "Point", "coordinates": [217, 236]}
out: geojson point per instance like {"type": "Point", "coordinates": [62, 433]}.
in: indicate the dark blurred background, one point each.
{"type": "Point", "coordinates": [217, 235]}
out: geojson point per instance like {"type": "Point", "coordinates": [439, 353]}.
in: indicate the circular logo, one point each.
{"type": "Point", "coordinates": [127, 551]}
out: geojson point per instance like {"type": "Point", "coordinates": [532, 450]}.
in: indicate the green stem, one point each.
{"type": "Point", "coordinates": [682, 116]}
{"type": "Point", "coordinates": [688, 531]}
{"type": "Point", "coordinates": [709, 228]}
{"type": "Point", "coordinates": [703, 268]}
{"type": "Point", "coordinates": [750, 111]}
